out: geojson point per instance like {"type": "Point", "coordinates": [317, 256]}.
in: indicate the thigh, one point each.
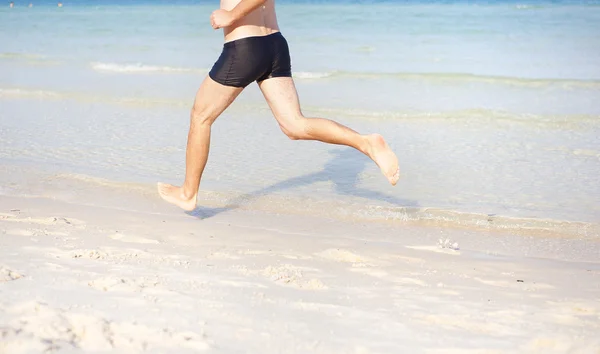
{"type": "Point", "coordinates": [212, 99]}
{"type": "Point", "coordinates": [282, 98]}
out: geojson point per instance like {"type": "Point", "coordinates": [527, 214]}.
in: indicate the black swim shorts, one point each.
{"type": "Point", "coordinates": [249, 59]}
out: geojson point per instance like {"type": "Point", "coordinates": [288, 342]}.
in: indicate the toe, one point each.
{"type": "Point", "coordinates": [395, 177]}
{"type": "Point", "coordinates": [163, 188]}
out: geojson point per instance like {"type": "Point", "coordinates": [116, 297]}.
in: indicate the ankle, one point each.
{"type": "Point", "coordinates": [188, 194]}
{"type": "Point", "coordinates": [366, 146]}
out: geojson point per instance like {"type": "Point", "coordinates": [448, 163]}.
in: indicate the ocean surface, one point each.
{"type": "Point", "coordinates": [493, 108]}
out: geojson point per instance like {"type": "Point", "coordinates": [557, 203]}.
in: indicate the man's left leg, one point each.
{"type": "Point", "coordinates": [211, 100]}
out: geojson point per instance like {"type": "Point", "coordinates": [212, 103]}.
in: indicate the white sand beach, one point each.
{"type": "Point", "coordinates": [77, 278]}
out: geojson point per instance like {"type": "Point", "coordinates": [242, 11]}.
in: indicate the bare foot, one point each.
{"type": "Point", "coordinates": [175, 195]}
{"type": "Point", "coordinates": [384, 157]}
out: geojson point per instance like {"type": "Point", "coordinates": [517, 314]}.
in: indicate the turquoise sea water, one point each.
{"type": "Point", "coordinates": [492, 107]}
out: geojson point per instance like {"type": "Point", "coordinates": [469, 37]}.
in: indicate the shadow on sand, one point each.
{"type": "Point", "coordinates": [343, 169]}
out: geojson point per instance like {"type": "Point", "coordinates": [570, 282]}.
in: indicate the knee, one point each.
{"type": "Point", "coordinates": [201, 116]}
{"type": "Point", "coordinates": [296, 128]}
{"type": "Point", "coordinates": [292, 134]}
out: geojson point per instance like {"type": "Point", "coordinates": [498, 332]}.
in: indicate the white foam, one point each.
{"type": "Point", "coordinates": [311, 75]}
{"type": "Point", "coordinates": [25, 92]}
{"type": "Point", "coordinates": [138, 67]}
{"type": "Point", "coordinates": [526, 7]}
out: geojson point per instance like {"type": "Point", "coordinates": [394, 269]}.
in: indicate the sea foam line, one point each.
{"type": "Point", "coordinates": [140, 68]}
{"type": "Point", "coordinates": [312, 75]}
{"type": "Point", "coordinates": [15, 55]}
{"type": "Point", "coordinates": [454, 78]}
{"type": "Point", "coordinates": [145, 68]}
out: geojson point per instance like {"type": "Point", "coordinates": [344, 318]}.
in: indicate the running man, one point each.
{"type": "Point", "coordinates": [255, 50]}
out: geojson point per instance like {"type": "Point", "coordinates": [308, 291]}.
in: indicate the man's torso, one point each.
{"type": "Point", "coordinates": [260, 22]}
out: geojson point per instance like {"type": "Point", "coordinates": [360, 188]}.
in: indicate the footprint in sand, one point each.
{"type": "Point", "coordinates": [293, 276]}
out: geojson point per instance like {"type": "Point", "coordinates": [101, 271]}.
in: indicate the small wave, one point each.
{"type": "Point", "coordinates": [139, 68]}
{"type": "Point", "coordinates": [517, 225]}
{"type": "Point", "coordinates": [90, 97]}
{"type": "Point", "coordinates": [586, 153]}
{"type": "Point", "coordinates": [454, 78]}
{"type": "Point", "coordinates": [469, 78]}
{"type": "Point", "coordinates": [365, 49]}
{"type": "Point", "coordinates": [103, 182]}
{"type": "Point", "coordinates": [477, 114]}
{"type": "Point", "coordinates": [6, 92]}
{"type": "Point", "coordinates": [528, 7]}
{"type": "Point", "coordinates": [12, 55]}
{"type": "Point", "coordinates": [312, 75]}
{"type": "Point", "coordinates": [142, 68]}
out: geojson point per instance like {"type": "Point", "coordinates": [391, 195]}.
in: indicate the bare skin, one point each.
{"type": "Point", "coordinates": [240, 19]}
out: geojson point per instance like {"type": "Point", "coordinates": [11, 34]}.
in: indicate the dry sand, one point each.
{"type": "Point", "coordinates": [77, 278]}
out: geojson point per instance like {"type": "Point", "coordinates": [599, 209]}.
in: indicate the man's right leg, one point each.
{"type": "Point", "coordinates": [211, 100]}
{"type": "Point", "coordinates": [281, 95]}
